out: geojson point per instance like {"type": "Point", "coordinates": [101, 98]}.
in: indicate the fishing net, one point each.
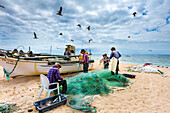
{"type": "Point", "coordinates": [83, 88]}
{"type": "Point", "coordinates": [8, 108]}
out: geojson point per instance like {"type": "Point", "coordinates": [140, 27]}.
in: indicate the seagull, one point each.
{"type": "Point", "coordinates": [2, 6]}
{"type": "Point", "coordinates": [88, 28]}
{"type": "Point", "coordinates": [59, 12]}
{"type": "Point", "coordinates": [128, 36]}
{"type": "Point", "coordinates": [35, 36]}
{"type": "Point", "coordinates": [72, 40]}
{"type": "Point", "coordinates": [90, 40]}
{"type": "Point", "coordinates": [150, 50]}
{"type": "Point", "coordinates": [79, 25]}
{"type": "Point", "coordinates": [134, 14]}
{"type": "Point", "coordinates": [61, 33]}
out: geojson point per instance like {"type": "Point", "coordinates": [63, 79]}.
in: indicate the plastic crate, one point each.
{"type": "Point", "coordinates": [43, 105]}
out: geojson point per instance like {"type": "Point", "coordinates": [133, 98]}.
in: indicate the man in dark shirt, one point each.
{"type": "Point", "coordinates": [67, 53]}
{"type": "Point", "coordinates": [105, 60]}
{"type": "Point", "coordinates": [54, 76]}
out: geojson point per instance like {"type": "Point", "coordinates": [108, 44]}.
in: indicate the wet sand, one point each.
{"type": "Point", "coordinates": [148, 93]}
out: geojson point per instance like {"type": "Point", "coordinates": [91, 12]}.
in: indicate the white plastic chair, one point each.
{"type": "Point", "coordinates": [45, 85]}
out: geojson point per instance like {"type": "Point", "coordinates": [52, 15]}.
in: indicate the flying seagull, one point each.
{"type": "Point", "coordinates": [59, 12]}
{"type": "Point", "coordinates": [79, 25]}
{"type": "Point", "coordinates": [72, 40]}
{"type": "Point", "coordinates": [61, 33]}
{"type": "Point", "coordinates": [150, 50]}
{"type": "Point", "coordinates": [134, 14]}
{"type": "Point", "coordinates": [90, 40]}
{"type": "Point", "coordinates": [88, 28]}
{"type": "Point", "coordinates": [128, 36]}
{"type": "Point", "coordinates": [2, 6]}
{"type": "Point", "coordinates": [35, 36]}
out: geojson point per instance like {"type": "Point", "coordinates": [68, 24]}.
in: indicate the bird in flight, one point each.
{"type": "Point", "coordinates": [134, 14]}
{"type": "Point", "coordinates": [88, 28]}
{"type": "Point", "coordinates": [128, 36]}
{"type": "Point", "coordinates": [61, 33]}
{"type": "Point", "coordinates": [72, 40]}
{"type": "Point", "coordinates": [79, 25]}
{"type": "Point", "coordinates": [150, 50]}
{"type": "Point", "coordinates": [35, 36]}
{"type": "Point", "coordinates": [90, 40]}
{"type": "Point", "coordinates": [59, 12]}
{"type": "Point", "coordinates": [2, 6]}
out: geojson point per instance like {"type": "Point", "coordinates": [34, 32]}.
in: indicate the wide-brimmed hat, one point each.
{"type": "Point", "coordinates": [57, 64]}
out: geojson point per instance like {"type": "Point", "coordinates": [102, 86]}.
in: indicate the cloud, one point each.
{"type": "Point", "coordinates": [111, 23]}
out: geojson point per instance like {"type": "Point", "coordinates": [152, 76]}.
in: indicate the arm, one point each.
{"type": "Point", "coordinates": [82, 60]}
{"type": "Point", "coordinates": [119, 55]}
{"type": "Point", "coordinates": [69, 53]}
{"type": "Point", "coordinates": [111, 55]}
{"type": "Point", "coordinates": [58, 75]}
{"type": "Point", "coordinates": [102, 60]}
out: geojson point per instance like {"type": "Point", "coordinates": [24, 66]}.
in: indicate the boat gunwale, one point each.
{"type": "Point", "coordinates": [34, 61]}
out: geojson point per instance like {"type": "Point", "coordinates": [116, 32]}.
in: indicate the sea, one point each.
{"type": "Point", "coordinates": [162, 60]}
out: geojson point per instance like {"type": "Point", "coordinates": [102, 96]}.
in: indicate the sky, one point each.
{"type": "Point", "coordinates": [111, 23]}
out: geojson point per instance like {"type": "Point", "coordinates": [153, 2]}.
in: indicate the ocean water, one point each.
{"type": "Point", "coordinates": [156, 60]}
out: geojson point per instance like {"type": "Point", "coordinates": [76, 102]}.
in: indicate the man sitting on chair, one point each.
{"type": "Point", "coordinates": [54, 76]}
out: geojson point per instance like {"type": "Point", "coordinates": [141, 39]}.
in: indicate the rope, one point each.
{"type": "Point", "coordinates": [7, 73]}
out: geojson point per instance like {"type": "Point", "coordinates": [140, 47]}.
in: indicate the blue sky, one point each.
{"type": "Point", "coordinates": [111, 23]}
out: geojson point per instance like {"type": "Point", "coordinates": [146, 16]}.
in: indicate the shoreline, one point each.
{"type": "Point", "coordinates": [149, 92]}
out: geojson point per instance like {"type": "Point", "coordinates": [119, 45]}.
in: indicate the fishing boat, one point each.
{"type": "Point", "coordinates": [40, 63]}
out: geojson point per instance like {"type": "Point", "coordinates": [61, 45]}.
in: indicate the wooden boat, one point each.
{"type": "Point", "coordinates": [40, 64]}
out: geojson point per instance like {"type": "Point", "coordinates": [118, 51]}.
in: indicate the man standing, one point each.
{"type": "Point", "coordinates": [85, 61]}
{"type": "Point", "coordinates": [114, 56]}
{"type": "Point", "coordinates": [54, 76]}
{"type": "Point", "coordinates": [68, 53]}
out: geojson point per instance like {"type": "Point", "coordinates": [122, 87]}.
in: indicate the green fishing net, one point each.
{"type": "Point", "coordinates": [8, 108]}
{"type": "Point", "coordinates": [82, 88]}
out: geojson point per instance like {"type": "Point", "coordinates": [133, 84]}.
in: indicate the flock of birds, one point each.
{"type": "Point", "coordinates": [59, 13]}
{"type": "Point", "coordinates": [79, 25]}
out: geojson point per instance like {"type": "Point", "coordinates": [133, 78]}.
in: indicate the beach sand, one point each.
{"type": "Point", "coordinates": [148, 93]}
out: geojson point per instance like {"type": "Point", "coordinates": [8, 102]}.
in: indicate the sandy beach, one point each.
{"type": "Point", "coordinates": [148, 93]}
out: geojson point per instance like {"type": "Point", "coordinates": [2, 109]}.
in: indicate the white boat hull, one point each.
{"type": "Point", "coordinates": [25, 67]}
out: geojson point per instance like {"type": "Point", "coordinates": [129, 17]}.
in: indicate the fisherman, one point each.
{"type": "Point", "coordinates": [85, 61]}
{"type": "Point", "coordinates": [68, 53]}
{"type": "Point", "coordinates": [54, 76]}
{"type": "Point", "coordinates": [30, 54]}
{"type": "Point", "coordinates": [114, 56]}
{"type": "Point", "coordinates": [105, 60]}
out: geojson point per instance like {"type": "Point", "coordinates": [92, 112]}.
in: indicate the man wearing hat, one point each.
{"type": "Point", "coordinates": [54, 76]}
{"type": "Point", "coordinates": [114, 56]}
{"type": "Point", "coordinates": [85, 61]}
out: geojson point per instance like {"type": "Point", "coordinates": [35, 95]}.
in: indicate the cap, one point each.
{"type": "Point", "coordinates": [57, 64]}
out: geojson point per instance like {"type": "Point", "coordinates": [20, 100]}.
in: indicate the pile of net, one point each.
{"type": "Point", "coordinates": [7, 108]}
{"type": "Point", "coordinates": [83, 88]}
